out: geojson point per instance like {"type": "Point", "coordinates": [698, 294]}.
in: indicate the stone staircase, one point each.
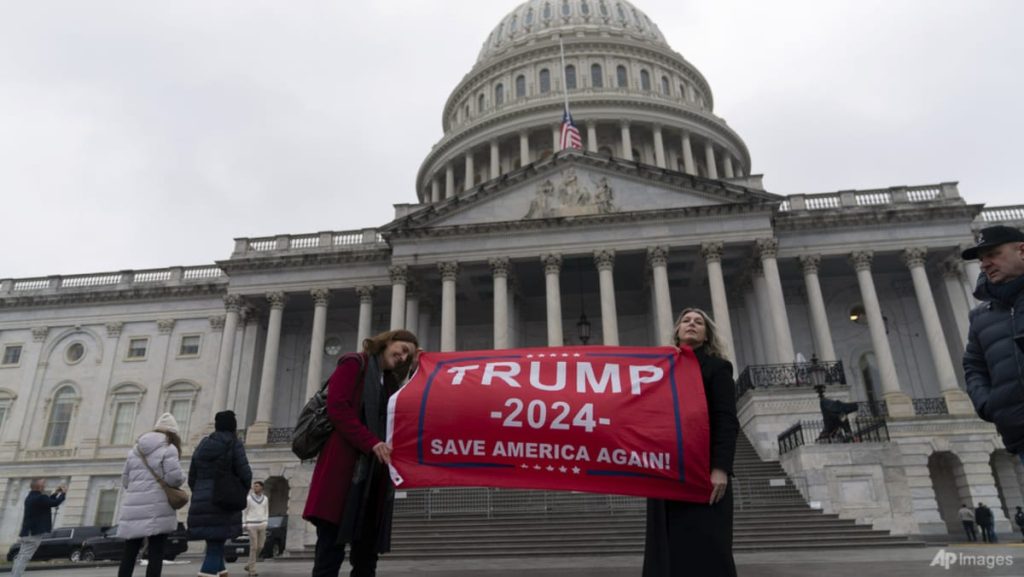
{"type": "Point", "coordinates": [770, 514]}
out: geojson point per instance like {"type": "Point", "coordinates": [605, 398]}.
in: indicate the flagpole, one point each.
{"type": "Point", "coordinates": [565, 87]}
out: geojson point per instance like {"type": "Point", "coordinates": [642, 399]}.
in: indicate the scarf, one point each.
{"type": "Point", "coordinates": [1005, 292]}
{"type": "Point", "coordinates": [374, 398]}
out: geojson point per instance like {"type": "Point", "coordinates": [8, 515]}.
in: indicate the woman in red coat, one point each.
{"type": "Point", "coordinates": [351, 497]}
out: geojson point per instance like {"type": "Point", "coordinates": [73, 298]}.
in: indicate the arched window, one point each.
{"type": "Point", "coordinates": [622, 13]}
{"type": "Point", "coordinates": [565, 8]}
{"type": "Point", "coordinates": [529, 17]}
{"type": "Point", "coordinates": [682, 91]}
{"type": "Point", "coordinates": [570, 77]}
{"type": "Point", "coordinates": [621, 78]}
{"type": "Point", "coordinates": [124, 407]}
{"type": "Point", "coordinates": [604, 8]}
{"type": "Point", "coordinates": [595, 76]}
{"type": "Point", "coordinates": [465, 114]}
{"type": "Point", "coordinates": [547, 11]}
{"type": "Point", "coordinates": [480, 103]}
{"type": "Point", "coordinates": [62, 409]}
{"type": "Point", "coordinates": [665, 89]}
{"type": "Point", "coordinates": [545, 81]}
{"type": "Point", "coordinates": [645, 80]}
{"type": "Point", "coordinates": [180, 400]}
{"type": "Point", "coordinates": [512, 25]}
{"type": "Point", "coordinates": [499, 94]}
{"type": "Point", "coordinates": [520, 86]}
{"type": "Point", "coordinates": [585, 8]}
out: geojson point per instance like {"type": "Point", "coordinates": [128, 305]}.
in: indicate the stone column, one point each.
{"type": "Point", "coordinates": [816, 303]}
{"type": "Point", "coordinates": [657, 257]}
{"type": "Point", "coordinates": [495, 160]}
{"type": "Point", "coordinates": [605, 261]}
{"type": "Point", "coordinates": [435, 190]}
{"type": "Point", "coordinates": [709, 160]}
{"type": "Point", "coordinates": [449, 181]}
{"type": "Point", "coordinates": [258, 431]}
{"type": "Point", "coordinates": [449, 273]}
{"type": "Point", "coordinates": [767, 248]}
{"type": "Point", "coordinates": [556, 137]}
{"type": "Point", "coordinates": [764, 307]}
{"type": "Point", "coordinates": [232, 307]}
{"type": "Point", "coordinates": [314, 376]}
{"type": "Point", "coordinates": [399, 276]}
{"type": "Point", "coordinates": [956, 400]}
{"type": "Point", "coordinates": [712, 253]}
{"type": "Point", "coordinates": [659, 147]}
{"type": "Point", "coordinates": [592, 136]}
{"type": "Point", "coordinates": [627, 141]}
{"type": "Point", "coordinates": [365, 314]}
{"type": "Point", "coordinates": [898, 402]}
{"type": "Point", "coordinates": [412, 311]}
{"type": "Point", "coordinates": [552, 269]}
{"type": "Point", "coordinates": [952, 277]}
{"type": "Point", "coordinates": [524, 148]}
{"type": "Point", "coordinates": [500, 270]}
{"type": "Point", "coordinates": [727, 165]}
{"type": "Point", "coordinates": [972, 269]}
{"type": "Point", "coordinates": [755, 330]}
{"type": "Point", "coordinates": [689, 166]}
{"type": "Point", "coordinates": [470, 172]}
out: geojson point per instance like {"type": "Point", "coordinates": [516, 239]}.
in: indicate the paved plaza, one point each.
{"type": "Point", "coordinates": [832, 563]}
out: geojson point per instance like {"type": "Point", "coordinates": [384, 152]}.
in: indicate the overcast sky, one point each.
{"type": "Point", "coordinates": [143, 134]}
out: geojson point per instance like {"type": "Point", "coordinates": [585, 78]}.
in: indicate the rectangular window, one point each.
{"type": "Point", "coordinates": [189, 346]}
{"type": "Point", "coordinates": [137, 348]}
{"type": "Point", "coordinates": [182, 410]}
{"type": "Point", "coordinates": [124, 422]}
{"type": "Point", "coordinates": [3, 416]}
{"type": "Point", "coordinates": [12, 355]}
{"type": "Point", "coordinates": [106, 507]}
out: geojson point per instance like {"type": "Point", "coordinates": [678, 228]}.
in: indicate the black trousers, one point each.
{"type": "Point", "coordinates": [969, 529]}
{"type": "Point", "coordinates": [155, 554]}
{"type": "Point", "coordinates": [330, 555]}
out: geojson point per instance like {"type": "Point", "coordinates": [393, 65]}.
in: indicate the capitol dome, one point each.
{"type": "Point", "coordinates": [631, 95]}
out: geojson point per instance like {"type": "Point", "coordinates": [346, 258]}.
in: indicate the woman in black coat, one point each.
{"type": "Point", "coordinates": [696, 538]}
{"type": "Point", "coordinates": [216, 454]}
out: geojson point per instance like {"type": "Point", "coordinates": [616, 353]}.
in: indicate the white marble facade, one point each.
{"type": "Point", "coordinates": [508, 243]}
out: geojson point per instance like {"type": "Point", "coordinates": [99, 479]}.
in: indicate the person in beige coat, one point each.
{"type": "Point", "coordinates": [257, 512]}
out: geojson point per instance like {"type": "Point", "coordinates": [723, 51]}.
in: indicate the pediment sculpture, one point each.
{"type": "Point", "coordinates": [570, 197]}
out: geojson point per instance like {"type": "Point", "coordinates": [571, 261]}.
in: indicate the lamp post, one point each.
{"type": "Point", "coordinates": [818, 375]}
{"type": "Point", "coordinates": [582, 325]}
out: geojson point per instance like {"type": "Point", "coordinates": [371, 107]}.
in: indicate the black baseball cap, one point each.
{"type": "Point", "coordinates": [993, 236]}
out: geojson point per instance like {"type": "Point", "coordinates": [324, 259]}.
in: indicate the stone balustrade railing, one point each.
{"type": "Point", "coordinates": [1002, 215]}
{"type": "Point", "coordinates": [334, 240]}
{"type": "Point", "coordinates": [178, 275]}
{"type": "Point", "coordinates": [875, 197]}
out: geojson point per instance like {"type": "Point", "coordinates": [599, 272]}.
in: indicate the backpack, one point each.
{"type": "Point", "coordinates": [313, 427]}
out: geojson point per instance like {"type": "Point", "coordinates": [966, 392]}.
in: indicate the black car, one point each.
{"type": "Point", "coordinates": [277, 532]}
{"type": "Point", "coordinates": [61, 543]}
{"type": "Point", "coordinates": [109, 546]}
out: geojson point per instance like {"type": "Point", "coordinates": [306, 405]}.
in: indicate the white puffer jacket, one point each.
{"type": "Point", "coordinates": [144, 508]}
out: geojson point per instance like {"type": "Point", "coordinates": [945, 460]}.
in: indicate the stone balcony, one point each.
{"type": "Point", "coordinates": [348, 240]}
{"type": "Point", "coordinates": [125, 281]}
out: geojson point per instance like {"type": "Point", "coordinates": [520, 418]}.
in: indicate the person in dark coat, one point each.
{"type": "Point", "coordinates": [986, 522]}
{"type": "Point", "coordinates": [36, 522]}
{"type": "Point", "coordinates": [1018, 518]}
{"type": "Point", "coordinates": [217, 454]}
{"type": "Point", "coordinates": [350, 495]}
{"type": "Point", "coordinates": [696, 538]}
{"type": "Point", "coordinates": [994, 355]}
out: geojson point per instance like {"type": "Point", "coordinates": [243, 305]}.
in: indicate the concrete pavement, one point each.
{"type": "Point", "coordinates": [981, 560]}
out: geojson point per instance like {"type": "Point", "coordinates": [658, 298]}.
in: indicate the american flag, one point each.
{"type": "Point", "coordinates": [570, 134]}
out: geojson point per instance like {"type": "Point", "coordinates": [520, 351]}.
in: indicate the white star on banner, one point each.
{"type": "Point", "coordinates": [536, 467]}
{"type": "Point", "coordinates": [562, 469]}
{"type": "Point", "coordinates": [576, 470]}
{"type": "Point", "coordinates": [524, 466]}
{"type": "Point", "coordinates": [550, 468]}
{"type": "Point", "coordinates": [576, 354]}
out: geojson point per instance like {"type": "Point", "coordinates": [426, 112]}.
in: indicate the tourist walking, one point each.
{"type": "Point", "coordinates": [966, 515]}
{"type": "Point", "coordinates": [36, 522]}
{"type": "Point", "coordinates": [1018, 518]}
{"type": "Point", "coordinates": [257, 512]}
{"type": "Point", "coordinates": [219, 477]}
{"type": "Point", "coordinates": [146, 515]}
{"type": "Point", "coordinates": [351, 496]}
{"type": "Point", "coordinates": [986, 522]}
{"type": "Point", "coordinates": [696, 538]}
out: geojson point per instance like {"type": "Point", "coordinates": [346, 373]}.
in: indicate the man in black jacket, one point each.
{"type": "Point", "coordinates": [994, 357]}
{"type": "Point", "coordinates": [36, 522]}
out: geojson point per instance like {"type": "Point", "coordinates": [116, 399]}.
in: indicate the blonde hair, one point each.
{"type": "Point", "coordinates": [712, 344]}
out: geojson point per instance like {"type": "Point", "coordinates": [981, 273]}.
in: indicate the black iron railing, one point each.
{"type": "Point", "coordinates": [807, 374]}
{"type": "Point", "coordinates": [862, 430]}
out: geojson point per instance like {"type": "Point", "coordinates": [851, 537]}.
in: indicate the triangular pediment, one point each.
{"type": "Point", "coordinates": [573, 185]}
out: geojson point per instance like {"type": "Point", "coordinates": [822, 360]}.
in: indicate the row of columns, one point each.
{"type": "Point", "coordinates": [689, 166]}
{"type": "Point", "coordinates": [774, 344]}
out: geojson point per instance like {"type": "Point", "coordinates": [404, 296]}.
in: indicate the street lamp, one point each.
{"type": "Point", "coordinates": [818, 375]}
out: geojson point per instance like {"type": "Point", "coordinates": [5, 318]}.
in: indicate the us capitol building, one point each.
{"type": "Point", "coordinates": [511, 242]}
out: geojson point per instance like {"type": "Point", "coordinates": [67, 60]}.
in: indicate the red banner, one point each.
{"type": "Point", "coordinates": [618, 420]}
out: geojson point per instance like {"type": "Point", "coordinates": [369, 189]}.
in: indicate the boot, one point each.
{"type": "Point", "coordinates": [223, 573]}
